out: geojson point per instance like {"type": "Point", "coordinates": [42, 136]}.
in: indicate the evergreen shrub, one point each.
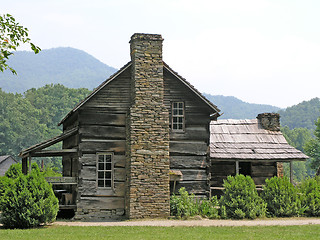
{"type": "Point", "coordinates": [281, 197]}
{"type": "Point", "coordinates": [240, 199]}
{"type": "Point", "coordinates": [29, 202]}
{"type": "Point", "coordinates": [310, 191]}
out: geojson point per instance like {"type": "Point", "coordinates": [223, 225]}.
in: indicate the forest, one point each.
{"type": "Point", "coordinates": [29, 118]}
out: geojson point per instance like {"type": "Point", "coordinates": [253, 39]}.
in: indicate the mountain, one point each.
{"type": "Point", "coordinates": [68, 66]}
{"type": "Point", "coordinates": [234, 108]}
{"type": "Point", "coordinates": [302, 115]}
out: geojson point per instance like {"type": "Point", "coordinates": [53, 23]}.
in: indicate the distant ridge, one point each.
{"type": "Point", "coordinates": [234, 108]}
{"type": "Point", "coordinates": [68, 66]}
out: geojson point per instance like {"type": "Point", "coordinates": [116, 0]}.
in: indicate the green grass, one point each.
{"type": "Point", "coordinates": [125, 233]}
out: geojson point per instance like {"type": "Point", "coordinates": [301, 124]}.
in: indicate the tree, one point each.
{"type": "Point", "coordinates": [11, 36]}
{"type": "Point", "coordinates": [312, 147]}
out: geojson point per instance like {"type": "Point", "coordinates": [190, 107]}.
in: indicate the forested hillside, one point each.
{"type": "Point", "coordinates": [68, 66]}
{"type": "Point", "coordinates": [302, 115]}
{"type": "Point", "coordinates": [33, 117]}
{"type": "Point", "coordinates": [234, 108]}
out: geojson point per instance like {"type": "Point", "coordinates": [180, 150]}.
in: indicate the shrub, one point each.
{"type": "Point", "coordinates": [29, 202]}
{"type": "Point", "coordinates": [183, 205]}
{"type": "Point", "coordinates": [310, 190]}
{"type": "Point", "coordinates": [14, 171]}
{"type": "Point", "coordinates": [281, 197]}
{"type": "Point", "coordinates": [210, 208]}
{"type": "Point", "coordinates": [240, 199]}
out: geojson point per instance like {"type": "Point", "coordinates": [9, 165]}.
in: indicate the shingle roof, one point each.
{"type": "Point", "coordinates": [247, 140]}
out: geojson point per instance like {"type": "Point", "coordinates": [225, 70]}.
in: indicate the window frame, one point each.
{"type": "Point", "coordinates": [183, 116]}
{"type": "Point", "coordinates": [104, 170]}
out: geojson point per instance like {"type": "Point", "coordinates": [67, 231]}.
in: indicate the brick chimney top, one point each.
{"type": "Point", "coordinates": [269, 121]}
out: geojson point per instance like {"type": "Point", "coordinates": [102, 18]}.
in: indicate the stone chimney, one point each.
{"type": "Point", "coordinates": [269, 121]}
{"type": "Point", "coordinates": [147, 191]}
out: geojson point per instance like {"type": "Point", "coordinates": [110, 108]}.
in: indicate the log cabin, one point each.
{"type": "Point", "coordinates": [5, 162]}
{"type": "Point", "coordinates": [137, 138]}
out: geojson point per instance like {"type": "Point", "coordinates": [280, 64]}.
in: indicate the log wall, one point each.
{"type": "Point", "coordinates": [102, 122]}
{"type": "Point", "coordinates": [188, 149]}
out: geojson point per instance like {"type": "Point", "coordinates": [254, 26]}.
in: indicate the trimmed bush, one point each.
{"type": "Point", "coordinates": [29, 202]}
{"type": "Point", "coordinates": [281, 197]}
{"type": "Point", "coordinates": [310, 190]}
{"type": "Point", "coordinates": [241, 199]}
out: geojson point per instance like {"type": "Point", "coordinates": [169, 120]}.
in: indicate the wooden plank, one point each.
{"type": "Point", "coordinates": [89, 173]}
{"type": "Point", "coordinates": [195, 187]}
{"type": "Point", "coordinates": [97, 118]}
{"type": "Point", "coordinates": [193, 174]}
{"type": "Point", "coordinates": [188, 148]}
{"type": "Point", "coordinates": [259, 180]}
{"type": "Point", "coordinates": [71, 142]}
{"type": "Point", "coordinates": [89, 188]}
{"type": "Point", "coordinates": [91, 160]}
{"type": "Point", "coordinates": [192, 133]}
{"type": "Point", "coordinates": [223, 170]}
{"type": "Point", "coordinates": [101, 203]}
{"type": "Point", "coordinates": [107, 132]}
{"type": "Point", "coordinates": [95, 145]}
{"type": "Point", "coordinates": [181, 162]}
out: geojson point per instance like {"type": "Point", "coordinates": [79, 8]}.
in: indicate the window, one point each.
{"type": "Point", "coordinates": [105, 170]}
{"type": "Point", "coordinates": [177, 116]}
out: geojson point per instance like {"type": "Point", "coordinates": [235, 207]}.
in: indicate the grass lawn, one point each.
{"type": "Point", "coordinates": [125, 233]}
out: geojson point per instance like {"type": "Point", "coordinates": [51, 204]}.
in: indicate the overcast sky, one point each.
{"type": "Point", "coordinates": [261, 51]}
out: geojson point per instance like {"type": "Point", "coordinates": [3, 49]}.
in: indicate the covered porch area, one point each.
{"type": "Point", "coordinates": [65, 187]}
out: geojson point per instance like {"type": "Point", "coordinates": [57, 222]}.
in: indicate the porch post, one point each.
{"type": "Point", "coordinates": [291, 172]}
{"type": "Point", "coordinates": [24, 165]}
{"type": "Point", "coordinates": [237, 167]}
{"type": "Point", "coordinates": [30, 164]}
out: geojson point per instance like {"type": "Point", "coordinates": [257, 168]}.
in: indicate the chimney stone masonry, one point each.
{"type": "Point", "coordinates": [147, 190]}
{"type": "Point", "coordinates": [269, 121]}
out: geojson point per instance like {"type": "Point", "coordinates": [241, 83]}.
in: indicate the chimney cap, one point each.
{"type": "Point", "coordinates": [146, 36]}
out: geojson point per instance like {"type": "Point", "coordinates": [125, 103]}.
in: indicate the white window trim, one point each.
{"type": "Point", "coordinates": [112, 169]}
{"type": "Point", "coordinates": [183, 116]}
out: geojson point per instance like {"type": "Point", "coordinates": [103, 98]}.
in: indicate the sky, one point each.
{"type": "Point", "coordinates": [260, 51]}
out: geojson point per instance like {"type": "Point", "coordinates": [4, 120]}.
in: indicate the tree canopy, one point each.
{"type": "Point", "coordinates": [11, 36]}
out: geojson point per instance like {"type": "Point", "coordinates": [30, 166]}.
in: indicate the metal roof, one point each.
{"type": "Point", "coordinates": [248, 140]}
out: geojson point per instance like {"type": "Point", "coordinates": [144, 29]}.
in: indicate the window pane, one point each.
{"type": "Point", "coordinates": [107, 183]}
{"type": "Point", "coordinates": [180, 126]}
{"type": "Point", "coordinates": [180, 120]}
{"type": "Point", "coordinates": [101, 166]}
{"type": "Point", "coordinates": [108, 166]}
{"type": "Point", "coordinates": [180, 112]}
{"type": "Point", "coordinates": [108, 158]}
{"type": "Point", "coordinates": [101, 158]}
{"type": "Point", "coordinates": [100, 183]}
{"type": "Point", "coordinates": [108, 175]}
{"type": "Point", "coordinates": [175, 112]}
{"type": "Point", "coordinates": [101, 175]}
{"type": "Point", "coordinates": [174, 126]}
{"type": "Point", "coordinates": [175, 105]}
{"type": "Point", "coordinates": [180, 105]}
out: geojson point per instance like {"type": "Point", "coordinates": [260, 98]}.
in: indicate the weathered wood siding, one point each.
{"type": "Point", "coordinates": [260, 171]}
{"type": "Point", "coordinates": [188, 149]}
{"type": "Point", "coordinates": [102, 128]}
